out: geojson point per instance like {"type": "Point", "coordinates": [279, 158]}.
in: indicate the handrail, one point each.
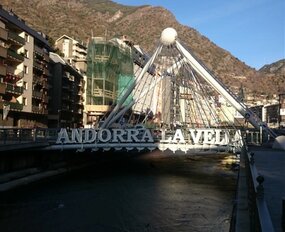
{"type": "Point", "coordinates": [259, 214]}
{"type": "Point", "coordinates": [22, 135]}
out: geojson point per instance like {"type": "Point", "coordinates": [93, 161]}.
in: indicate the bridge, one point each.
{"type": "Point", "coordinates": [174, 102]}
{"type": "Point", "coordinates": [175, 108]}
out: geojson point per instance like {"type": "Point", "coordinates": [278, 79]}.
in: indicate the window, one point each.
{"type": "Point", "coordinates": [25, 85]}
{"type": "Point", "coordinates": [27, 38]}
{"type": "Point", "coordinates": [26, 69]}
{"type": "Point", "coordinates": [24, 101]}
{"type": "Point", "coordinates": [26, 53]}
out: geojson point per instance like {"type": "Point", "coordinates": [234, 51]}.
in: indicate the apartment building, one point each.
{"type": "Point", "coordinates": [109, 65]}
{"type": "Point", "coordinates": [66, 94]}
{"type": "Point", "coordinates": [268, 113]}
{"type": "Point", "coordinates": [74, 52]}
{"type": "Point", "coordinates": [282, 110]}
{"type": "Point", "coordinates": [24, 73]}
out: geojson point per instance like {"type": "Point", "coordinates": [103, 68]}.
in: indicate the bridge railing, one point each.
{"type": "Point", "coordinates": [24, 135]}
{"type": "Point", "coordinates": [15, 135]}
{"type": "Point", "coordinates": [46, 134]}
{"type": "Point", "coordinates": [256, 137]}
{"type": "Point", "coordinates": [260, 219]}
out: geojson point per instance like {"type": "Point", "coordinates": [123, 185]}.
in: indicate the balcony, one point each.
{"type": "Point", "coordinates": [38, 110]}
{"type": "Point", "coordinates": [3, 69]}
{"type": "Point", "coordinates": [3, 52]}
{"type": "Point", "coordinates": [46, 72]}
{"type": "Point", "coordinates": [45, 99]}
{"type": "Point", "coordinates": [46, 57]}
{"type": "Point", "coordinates": [38, 65]}
{"type": "Point", "coordinates": [37, 94]}
{"type": "Point", "coordinates": [2, 88]}
{"type": "Point", "coordinates": [109, 94]}
{"type": "Point", "coordinates": [14, 89]}
{"type": "Point", "coordinates": [12, 36]}
{"type": "Point", "coordinates": [101, 58]}
{"type": "Point", "coordinates": [39, 51]}
{"type": "Point", "coordinates": [37, 79]}
{"type": "Point", "coordinates": [3, 33]}
{"type": "Point", "coordinates": [40, 81]}
{"type": "Point", "coordinates": [45, 84]}
{"type": "Point", "coordinates": [15, 56]}
{"type": "Point", "coordinates": [14, 106]}
{"type": "Point", "coordinates": [11, 77]}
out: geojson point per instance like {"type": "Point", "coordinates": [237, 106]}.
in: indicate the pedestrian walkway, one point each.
{"type": "Point", "coordinates": [270, 164]}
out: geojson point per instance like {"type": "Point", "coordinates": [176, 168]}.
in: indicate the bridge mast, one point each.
{"type": "Point", "coordinates": [169, 39]}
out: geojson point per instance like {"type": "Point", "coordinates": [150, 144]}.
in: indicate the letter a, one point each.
{"type": "Point", "coordinates": [178, 136]}
{"type": "Point", "coordinates": [62, 136]}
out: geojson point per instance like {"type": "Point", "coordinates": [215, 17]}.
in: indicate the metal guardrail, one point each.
{"type": "Point", "coordinates": [15, 37]}
{"type": "Point", "coordinates": [38, 50]}
{"type": "Point", "coordinates": [14, 106]}
{"type": "Point", "coordinates": [260, 219]}
{"type": "Point", "coordinates": [14, 88]}
{"type": "Point", "coordinates": [256, 137]}
{"type": "Point", "coordinates": [14, 54]}
{"type": "Point", "coordinates": [20, 135]}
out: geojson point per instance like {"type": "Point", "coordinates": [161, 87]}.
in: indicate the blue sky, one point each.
{"type": "Point", "coordinates": [251, 30]}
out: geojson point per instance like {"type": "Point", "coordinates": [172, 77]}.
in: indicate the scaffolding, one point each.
{"type": "Point", "coordinates": [109, 73]}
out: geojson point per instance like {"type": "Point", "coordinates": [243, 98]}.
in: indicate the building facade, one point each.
{"type": "Point", "coordinates": [74, 52]}
{"type": "Point", "coordinates": [66, 95]}
{"type": "Point", "coordinates": [282, 110]}
{"type": "Point", "coordinates": [24, 73]}
{"type": "Point", "coordinates": [109, 71]}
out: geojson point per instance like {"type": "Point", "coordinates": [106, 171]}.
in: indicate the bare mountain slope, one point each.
{"type": "Point", "coordinates": [84, 18]}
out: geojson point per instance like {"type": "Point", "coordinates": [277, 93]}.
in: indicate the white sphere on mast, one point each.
{"type": "Point", "coordinates": [168, 36]}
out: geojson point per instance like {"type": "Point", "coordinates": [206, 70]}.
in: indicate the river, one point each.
{"type": "Point", "coordinates": [151, 192]}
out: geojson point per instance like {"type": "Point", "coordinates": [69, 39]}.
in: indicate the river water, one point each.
{"type": "Point", "coordinates": [151, 192]}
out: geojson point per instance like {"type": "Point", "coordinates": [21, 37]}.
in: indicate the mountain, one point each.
{"type": "Point", "coordinates": [82, 19]}
{"type": "Point", "coordinates": [276, 68]}
{"type": "Point", "coordinates": [275, 74]}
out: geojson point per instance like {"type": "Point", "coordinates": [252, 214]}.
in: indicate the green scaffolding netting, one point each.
{"type": "Point", "coordinates": [109, 71]}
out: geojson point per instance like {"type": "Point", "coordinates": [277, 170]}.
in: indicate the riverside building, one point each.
{"type": "Point", "coordinates": [74, 52]}
{"type": "Point", "coordinates": [24, 73]}
{"type": "Point", "coordinates": [112, 66]}
{"type": "Point", "coordinates": [66, 94]}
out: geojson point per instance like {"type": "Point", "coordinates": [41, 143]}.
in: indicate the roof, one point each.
{"type": "Point", "coordinates": [56, 58]}
{"type": "Point", "coordinates": [80, 43]}
{"type": "Point", "coordinates": [14, 19]}
{"type": "Point", "coordinates": [65, 36]}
